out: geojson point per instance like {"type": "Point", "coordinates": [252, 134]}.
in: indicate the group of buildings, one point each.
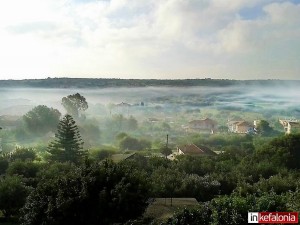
{"type": "Point", "coordinates": [234, 126]}
{"type": "Point", "coordinates": [238, 126]}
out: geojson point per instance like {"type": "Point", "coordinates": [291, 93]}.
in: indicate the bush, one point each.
{"type": "Point", "coordinates": [24, 154]}
{"type": "Point", "coordinates": [12, 195]}
{"type": "Point", "coordinates": [3, 165]}
{"type": "Point", "coordinates": [97, 194]}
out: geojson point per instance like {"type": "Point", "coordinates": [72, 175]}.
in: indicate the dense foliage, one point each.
{"type": "Point", "coordinates": [12, 195]}
{"type": "Point", "coordinates": [41, 119]}
{"type": "Point", "coordinates": [74, 104]}
{"type": "Point", "coordinates": [98, 194]}
{"type": "Point", "coordinates": [86, 83]}
{"type": "Point", "coordinates": [100, 191]}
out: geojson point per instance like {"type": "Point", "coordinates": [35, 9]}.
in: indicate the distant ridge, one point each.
{"type": "Point", "coordinates": [113, 82]}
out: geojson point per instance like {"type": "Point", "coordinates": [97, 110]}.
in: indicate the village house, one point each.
{"type": "Point", "coordinates": [116, 158]}
{"type": "Point", "coordinates": [206, 125]}
{"type": "Point", "coordinates": [240, 127]}
{"type": "Point", "coordinates": [123, 104]}
{"type": "Point", "coordinates": [192, 149]}
{"type": "Point", "coordinates": [290, 126]}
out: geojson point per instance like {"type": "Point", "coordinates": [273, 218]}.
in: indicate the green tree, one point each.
{"type": "Point", "coordinates": [90, 133]}
{"type": "Point", "coordinates": [121, 135]}
{"type": "Point", "coordinates": [202, 188]}
{"type": "Point", "coordinates": [144, 144]}
{"type": "Point", "coordinates": [132, 123]}
{"type": "Point", "coordinates": [100, 154]}
{"type": "Point", "coordinates": [196, 165]}
{"type": "Point", "coordinates": [293, 200]}
{"type": "Point", "coordinates": [104, 193]}
{"type": "Point", "coordinates": [166, 182]}
{"type": "Point", "coordinates": [118, 122]}
{"type": "Point", "coordinates": [191, 216]}
{"type": "Point", "coordinates": [74, 104]}
{"type": "Point", "coordinates": [23, 154]}
{"type": "Point", "coordinates": [3, 165]}
{"type": "Point", "coordinates": [284, 151]}
{"type": "Point", "coordinates": [263, 128]}
{"type": "Point", "coordinates": [41, 119]}
{"type": "Point", "coordinates": [67, 145]}
{"type": "Point", "coordinates": [165, 126]}
{"type": "Point", "coordinates": [165, 150]}
{"type": "Point", "coordinates": [12, 195]}
{"type": "Point", "coordinates": [129, 143]}
{"type": "Point", "coordinates": [24, 169]}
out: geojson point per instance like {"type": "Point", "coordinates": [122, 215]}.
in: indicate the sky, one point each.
{"type": "Point", "coordinates": [169, 39]}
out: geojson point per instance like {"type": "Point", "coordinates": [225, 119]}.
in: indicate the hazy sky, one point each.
{"type": "Point", "coordinates": [238, 39]}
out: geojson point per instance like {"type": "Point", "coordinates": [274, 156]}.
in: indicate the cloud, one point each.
{"type": "Point", "coordinates": [279, 24]}
{"type": "Point", "coordinates": [172, 37]}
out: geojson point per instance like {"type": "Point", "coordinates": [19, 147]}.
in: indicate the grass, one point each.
{"type": "Point", "coordinates": [161, 209]}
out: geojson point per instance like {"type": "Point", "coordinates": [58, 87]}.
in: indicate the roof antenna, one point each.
{"type": "Point", "coordinates": [167, 140]}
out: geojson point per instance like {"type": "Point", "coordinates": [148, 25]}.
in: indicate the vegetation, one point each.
{"type": "Point", "coordinates": [95, 194]}
{"type": "Point", "coordinates": [12, 195]}
{"type": "Point", "coordinates": [67, 146]}
{"type": "Point", "coordinates": [74, 104]}
{"type": "Point", "coordinates": [87, 83]}
{"type": "Point", "coordinates": [41, 120]}
{"type": "Point", "coordinates": [71, 179]}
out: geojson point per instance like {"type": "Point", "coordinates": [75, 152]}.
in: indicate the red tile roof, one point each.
{"type": "Point", "coordinates": [195, 150]}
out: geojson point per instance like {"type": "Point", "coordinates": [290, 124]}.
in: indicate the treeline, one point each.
{"type": "Point", "coordinates": [104, 83]}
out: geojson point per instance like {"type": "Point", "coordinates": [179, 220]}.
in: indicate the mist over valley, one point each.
{"type": "Point", "coordinates": [281, 100]}
{"type": "Point", "coordinates": [150, 148]}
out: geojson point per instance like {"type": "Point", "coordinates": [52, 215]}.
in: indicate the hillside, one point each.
{"type": "Point", "coordinates": [104, 83]}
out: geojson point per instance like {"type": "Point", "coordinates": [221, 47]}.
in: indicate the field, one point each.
{"type": "Point", "coordinates": [162, 209]}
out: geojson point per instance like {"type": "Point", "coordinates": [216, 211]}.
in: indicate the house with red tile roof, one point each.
{"type": "Point", "coordinates": [192, 149]}
{"type": "Point", "coordinates": [206, 125]}
{"type": "Point", "coordinates": [240, 127]}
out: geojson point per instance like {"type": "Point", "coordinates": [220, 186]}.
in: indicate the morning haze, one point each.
{"type": "Point", "coordinates": [142, 150]}
{"type": "Point", "coordinates": [146, 112]}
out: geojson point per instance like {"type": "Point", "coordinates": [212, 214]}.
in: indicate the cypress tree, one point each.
{"type": "Point", "coordinates": [68, 145]}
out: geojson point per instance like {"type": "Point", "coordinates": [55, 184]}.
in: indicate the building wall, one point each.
{"type": "Point", "coordinates": [180, 152]}
{"type": "Point", "coordinates": [242, 129]}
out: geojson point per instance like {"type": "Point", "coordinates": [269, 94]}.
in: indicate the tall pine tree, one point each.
{"type": "Point", "coordinates": [68, 145]}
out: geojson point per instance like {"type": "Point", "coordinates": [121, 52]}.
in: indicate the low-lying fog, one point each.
{"type": "Point", "coordinates": [17, 101]}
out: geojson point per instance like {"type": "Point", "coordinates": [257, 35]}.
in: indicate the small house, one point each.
{"type": "Point", "coordinates": [116, 158]}
{"type": "Point", "coordinates": [202, 125]}
{"type": "Point", "coordinates": [192, 149]}
{"type": "Point", "coordinates": [290, 126]}
{"type": "Point", "coordinates": [240, 127]}
{"type": "Point", "coordinates": [123, 104]}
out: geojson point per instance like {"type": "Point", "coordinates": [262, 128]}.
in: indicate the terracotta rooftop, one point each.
{"type": "Point", "coordinates": [243, 123]}
{"type": "Point", "coordinates": [195, 150]}
{"type": "Point", "coordinates": [206, 120]}
{"type": "Point", "coordinates": [123, 104]}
